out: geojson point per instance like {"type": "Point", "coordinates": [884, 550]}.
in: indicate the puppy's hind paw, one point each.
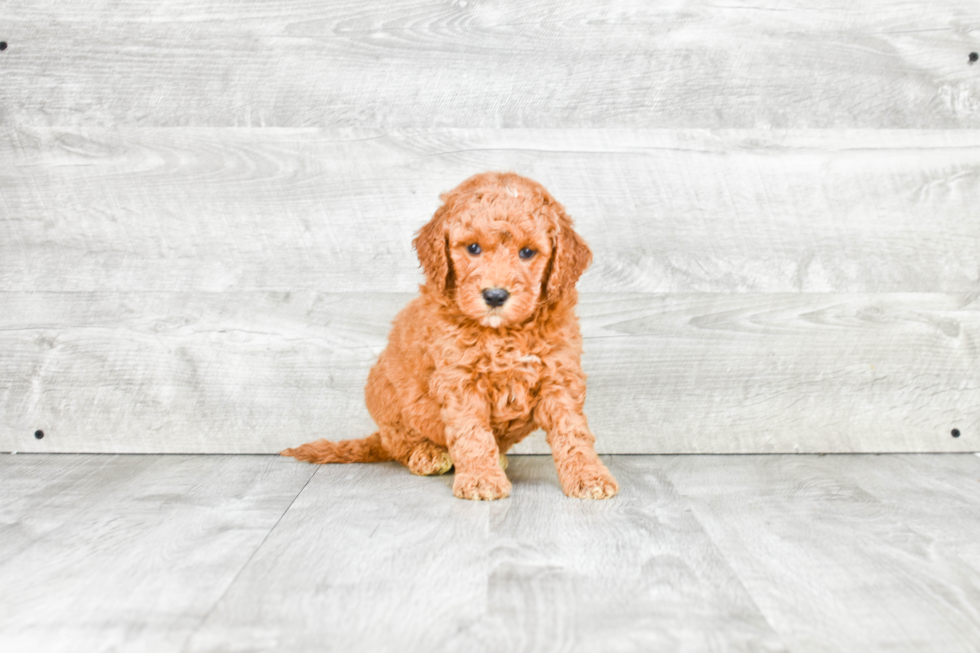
{"type": "Point", "coordinates": [429, 459]}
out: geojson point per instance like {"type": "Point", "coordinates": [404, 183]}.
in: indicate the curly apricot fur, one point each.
{"type": "Point", "coordinates": [468, 379]}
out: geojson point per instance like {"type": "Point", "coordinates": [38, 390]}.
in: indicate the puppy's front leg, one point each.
{"type": "Point", "coordinates": [581, 473]}
{"type": "Point", "coordinates": [474, 450]}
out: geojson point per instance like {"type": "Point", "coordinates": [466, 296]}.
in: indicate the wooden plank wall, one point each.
{"type": "Point", "coordinates": [206, 212]}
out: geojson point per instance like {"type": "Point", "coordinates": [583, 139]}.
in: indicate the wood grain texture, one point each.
{"type": "Point", "coordinates": [699, 373]}
{"type": "Point", "coordinates": [688, 211]}
{"type": "Point", "coordinates": [368, 558]}
{"type": "Point", "coordinates": [371, 558]}
{"type": "Point", "coordinates": [697, 553]}
{"type": "Point", "coordinates": [186, 188]}
{"type": "Point", "coordinates": [109, 553]}
{"type": "Point", "coordinates": [635, 573]}
{"type": "Point", "coordinates": [835, 567]}
{"type": "Point", "coordinates": [470, 63]}
{"type": "Point", "coordinates": [940, 501]}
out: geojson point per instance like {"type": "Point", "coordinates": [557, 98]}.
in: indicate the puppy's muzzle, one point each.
{"type": "Point", "coordinates": [495, 297]}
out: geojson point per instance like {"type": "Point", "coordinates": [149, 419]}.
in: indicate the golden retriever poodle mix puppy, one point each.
{"type": "Point", "coordinates": [488, 352]}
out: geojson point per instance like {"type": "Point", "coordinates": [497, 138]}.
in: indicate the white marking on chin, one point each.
{"type": "Point", "coordinates": [494, 321]}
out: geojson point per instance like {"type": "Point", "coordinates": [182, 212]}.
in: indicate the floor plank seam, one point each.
{"type": "Point", "coordinates": [728, 563]}
{"type": "Point", "coordinates": [207, 615]}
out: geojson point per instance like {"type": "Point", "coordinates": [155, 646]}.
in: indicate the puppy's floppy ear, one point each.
{"type": "Point", "coordinates": [569, 258]}
{"type": "Point", "coordinates": [431, 245]}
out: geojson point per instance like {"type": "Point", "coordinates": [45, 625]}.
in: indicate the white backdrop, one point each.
{"type": "Point", "coordinates": [207, 210]}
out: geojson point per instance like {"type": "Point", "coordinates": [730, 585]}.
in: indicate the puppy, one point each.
{"type": "Point", "coordinates": [488, 352]}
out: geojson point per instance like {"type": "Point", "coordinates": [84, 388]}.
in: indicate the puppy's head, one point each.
{"type": "Point", "coordinates": [500, 246]}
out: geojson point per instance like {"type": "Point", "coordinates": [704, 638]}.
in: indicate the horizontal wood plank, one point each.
{"type": "Point", "coordinates": [699, 373]}
{"type": "Point", "coordinates": [465, 63]}
{"type": "Point", "coordinates": [335, 210]}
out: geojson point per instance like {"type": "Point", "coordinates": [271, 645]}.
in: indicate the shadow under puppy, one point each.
{"type": "Point", "coordinates": [489, 351]}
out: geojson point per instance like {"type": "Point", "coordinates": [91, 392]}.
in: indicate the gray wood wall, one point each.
{"type": "Point", "coordinates": [206, 212]}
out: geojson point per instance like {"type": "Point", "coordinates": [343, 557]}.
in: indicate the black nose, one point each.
{"type": "Point", "coordinates": [495, 296]}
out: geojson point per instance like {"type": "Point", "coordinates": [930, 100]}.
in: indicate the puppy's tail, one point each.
{"type": "Point", "coordinates": [365, 450]}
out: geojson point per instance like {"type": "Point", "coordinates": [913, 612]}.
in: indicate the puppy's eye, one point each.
{"type": "Point", "coordinates": [526, 253]}
{"type": "Point", "coordinates": [473, 249]}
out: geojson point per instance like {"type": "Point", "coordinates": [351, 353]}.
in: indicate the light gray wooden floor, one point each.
{"type": "Point", "coordinates": [258, 553]}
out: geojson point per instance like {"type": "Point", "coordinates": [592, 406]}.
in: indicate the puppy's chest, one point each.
{"type": "Point", "coordinates": [510, 375]}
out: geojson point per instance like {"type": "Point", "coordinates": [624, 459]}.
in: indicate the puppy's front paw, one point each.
{"type": "Point", "coordinates": [590, 482]}
{"type": "Point", "coordinates": [487, 486]}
